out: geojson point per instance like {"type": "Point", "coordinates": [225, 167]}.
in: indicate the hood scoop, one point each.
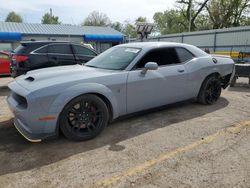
{"type": "Point", "coordinates": [30, 79]}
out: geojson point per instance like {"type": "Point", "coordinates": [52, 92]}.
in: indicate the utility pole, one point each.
{"type": "Point", "coordinates": [50, 12]}
{"type": "Point", "coordinates": [190, 16]}
{"type": "Point", "coordinates": [50, 15]}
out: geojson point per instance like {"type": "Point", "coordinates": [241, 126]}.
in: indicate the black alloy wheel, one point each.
{"type": "Point", "coordinates": [210, 91]}
{"type": "Point", "coordinates": [84, 117]}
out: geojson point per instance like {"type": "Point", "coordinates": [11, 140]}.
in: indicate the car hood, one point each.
{"type": "Point", "coordinates": [66, 75]}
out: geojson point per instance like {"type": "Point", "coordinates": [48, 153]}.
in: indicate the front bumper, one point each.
{"type": "Point", "coordinates": [27, 118]}
{"type": "Point", "coordinates": [28, 136]}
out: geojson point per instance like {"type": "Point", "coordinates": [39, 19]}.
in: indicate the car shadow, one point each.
{"type": "Point", "coordinates": [5, 76]}
{"type": "Point", "coordinates": [240, 87]}
{"type": "Point", "coordinates": [4, 90]}
{"type": "Point", "coordinates": [17, 154]}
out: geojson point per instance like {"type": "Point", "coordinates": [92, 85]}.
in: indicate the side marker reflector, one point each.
{"type": "Point", "coordinates": [47, 118]}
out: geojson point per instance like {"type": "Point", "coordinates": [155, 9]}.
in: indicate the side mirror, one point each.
{"type": "Point", "coordinates": [149, 66]}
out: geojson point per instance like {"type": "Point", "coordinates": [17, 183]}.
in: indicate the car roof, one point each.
{"type": "Point", "coordinates": [41, 43]}
{"type": "Point", "coordinates": [152, 45]}
{"type": "Point", "coordinates": [44, 42]}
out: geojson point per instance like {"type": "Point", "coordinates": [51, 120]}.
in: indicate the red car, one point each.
{"type": "Point", "coordinates": [4, 63]}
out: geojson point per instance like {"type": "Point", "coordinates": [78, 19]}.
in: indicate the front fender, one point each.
{"type": "Point", "coordinates": [69, 93]}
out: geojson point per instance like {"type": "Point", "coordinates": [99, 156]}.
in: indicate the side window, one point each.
{"type": "Point", "coordinates": [184, 55]}
{"type": "Point", "coordinates": [26, 48]}
{"type": "Point", "coordinates": [80, 50]}
{"type": "Point", "coordinates": [42, 50]}
{"type": "Point", "coordinates": [164, 56]}
{"type": "Point", "coordinates": [59, 49]}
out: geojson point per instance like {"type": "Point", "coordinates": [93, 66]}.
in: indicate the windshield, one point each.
{"type": "Point", "coordinates": [117, 58]}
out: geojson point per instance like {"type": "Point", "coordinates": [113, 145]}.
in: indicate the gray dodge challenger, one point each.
{"type": "Point", "coordinates": [80, 100]}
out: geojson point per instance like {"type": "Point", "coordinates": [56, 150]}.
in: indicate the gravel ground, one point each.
{"type": "Point", "coordinates": [184, 145]}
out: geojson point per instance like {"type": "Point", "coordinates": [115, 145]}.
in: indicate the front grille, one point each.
{"type": "Point", "coordinates": [22, 102]}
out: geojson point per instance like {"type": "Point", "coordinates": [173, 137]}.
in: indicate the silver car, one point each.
{"type": "Point", "coordinates": [80, 100]}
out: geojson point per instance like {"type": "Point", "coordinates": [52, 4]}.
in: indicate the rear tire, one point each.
{"type": "Point", "coordinates": [84, 117]}
{"type": "Point", "coordinates": [210, 91]}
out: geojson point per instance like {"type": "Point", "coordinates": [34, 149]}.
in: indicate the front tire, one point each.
{"type": "Point", "coordinates": [84, 117]}
{"type": "Point", "coordinates": [210, 91]}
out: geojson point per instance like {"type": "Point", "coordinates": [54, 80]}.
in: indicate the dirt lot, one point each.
{"type": "Point", "coordinates": [184, 145]}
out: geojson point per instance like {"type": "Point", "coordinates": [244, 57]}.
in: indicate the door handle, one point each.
{"type": "Point", "coordinates": [180, 70]}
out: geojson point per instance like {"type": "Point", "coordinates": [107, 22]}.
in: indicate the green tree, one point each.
{"type": "Point", "coordinates": [245, 21]}
{"type": "Point", "coordinates": [205, 15]}
{"type": "Point", "coordinates": [117, 26]}
{"type": "Point", "coordinates": [130, 30]}
{"type": "Point", "coordinates": [195, 8]}
{"type": "Point", "coordinates": [228, 13]}
{"type": "Point", "coordinates": [203, 22]}
{"type": "Point", "coordinates": [13, 17]}
{"type": "Point", "coordinates": [170, 21]}
{"type": "Point", "coordinates": [96, 18]}
{"type": "Point", "coordinates": [48, 18]}
{"type": "Point", "coordinates": [140, 19]}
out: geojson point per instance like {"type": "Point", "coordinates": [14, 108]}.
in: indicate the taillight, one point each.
{"type": "Point", "coordinates": [20, 58]}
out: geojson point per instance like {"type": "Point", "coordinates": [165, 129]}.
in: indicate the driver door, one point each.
{"type": "Point", "coordinates": [157, 87]}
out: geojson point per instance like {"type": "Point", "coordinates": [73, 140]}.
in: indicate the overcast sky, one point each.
{"type": "Point", "coordinates": [74, 11]}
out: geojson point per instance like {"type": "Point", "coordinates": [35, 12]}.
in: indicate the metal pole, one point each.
{"type": "Point", "coordinates": [50, 12]}
{"type": "Point", "coordinates": [190, 16]}
{"type": "Point", "coordinates": [215, 40]}
{"type": "Point", "coordinates": [50, 15]}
